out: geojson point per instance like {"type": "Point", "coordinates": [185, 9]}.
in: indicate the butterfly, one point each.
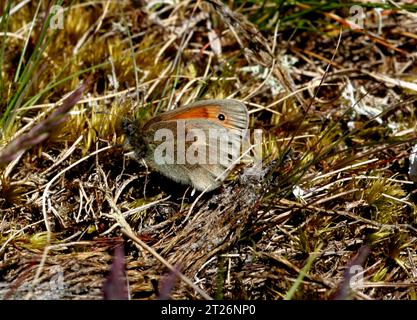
{"type": "Point", "coordinates": [196, 145]}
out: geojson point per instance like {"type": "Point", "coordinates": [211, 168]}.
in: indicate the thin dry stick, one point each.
{"type": "Point", "coordinates": [399, 200]}
{"type": "Point", "coordinates": [126, 230]}
{"type": "Point", "coordinates": [295, 92]}
{"type": "Point", "coordinates": [132, 212]}
{"type": "Point", "coordinates": [343, 169]}
{"type": "Point", "coordinates": [337, 196]}
{"type": "Point", "coordinates": [328, 185]}
{"type": "Point", "coordinates": [12, 164]}
{"type": "Point", "coordinates": [103, 15]}
{"type": "Point", "coordinates": [64, 155]}
{"type": "Point", "coordinates": [353, 216]}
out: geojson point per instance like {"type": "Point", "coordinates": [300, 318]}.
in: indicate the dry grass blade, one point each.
{"type": "Point", "coordinates": [127, 230]}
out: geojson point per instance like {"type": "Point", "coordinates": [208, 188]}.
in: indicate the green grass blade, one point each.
{"type": "Point", "coordinates": [302, 274]}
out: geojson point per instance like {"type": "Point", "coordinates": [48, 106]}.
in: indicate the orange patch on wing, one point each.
{"type": "Point", "coordinates": [210, 112]}
{"type": "Point", "coordinates": [206, 112]}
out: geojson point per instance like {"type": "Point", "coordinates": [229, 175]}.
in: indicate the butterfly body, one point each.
{"type": "Point", "coordinates": [195, 145]}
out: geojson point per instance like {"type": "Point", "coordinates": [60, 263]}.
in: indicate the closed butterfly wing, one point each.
{"type": "Point", "coordinates": [198, 144]}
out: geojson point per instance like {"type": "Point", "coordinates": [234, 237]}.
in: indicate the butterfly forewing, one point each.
{"type": "Point", "coordinates": [197, 144]}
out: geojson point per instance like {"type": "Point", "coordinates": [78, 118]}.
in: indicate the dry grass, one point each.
{"type": "Point", "coordinates": [337, 109]}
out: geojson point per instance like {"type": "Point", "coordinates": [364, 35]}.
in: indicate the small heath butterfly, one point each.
{"type": "Point", "coordinates": [196, 145]}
